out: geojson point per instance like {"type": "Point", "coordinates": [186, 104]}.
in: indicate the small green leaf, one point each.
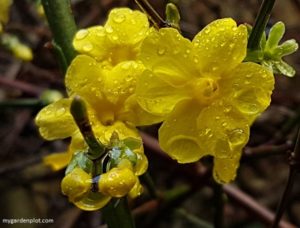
{"type": "Point", "coordinates": [132, 143]}
{"type": "Point", "coordinates": [275, 35]}
{"type": "Point", "coordinates": [286, 48]}
{"type": "Point", "coordinates": [173, 15]}
{"type": "Point", "coordinates": [284, 68]}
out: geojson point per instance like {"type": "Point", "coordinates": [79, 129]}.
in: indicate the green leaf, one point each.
{"type": "Point", "coordinates": [284, 68]}
{"type": "Point", "coordinates": [132, 143]}
{"type": "Point", "coordinates": [275, 35]}
{"type": "Point", "coordinates": [287, 48]}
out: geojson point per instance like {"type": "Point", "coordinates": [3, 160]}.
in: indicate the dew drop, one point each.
{"type": "Point", "coordinates": [115, 37]}
{"type": "Point", "coordinates": [207, 30]}
{"type": "Point", "coordinates": [237, 136]}
{"type": "Point", "coordinates": [81, 34]}
{"type": "Point", "coordinates": [109, 29]}
{"type": "Point", "coordinates": [119, 18]}
{"type": "Point", "coordinates": [61, 111]}
{"type": "Point", "coordinates": [161, 51]}
{"type": "Point", "coordinates": [87, 47]}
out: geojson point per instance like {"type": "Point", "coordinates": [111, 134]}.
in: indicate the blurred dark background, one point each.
{"type": "Point", "coordinates": [29, 189]}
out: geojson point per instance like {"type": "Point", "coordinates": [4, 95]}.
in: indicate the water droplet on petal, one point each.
{"type": "Point", "coordinates": [161, 51]}
{"type": "Point", "coordinates": [207, 30]}
{"type": "Point", "coordinates": [109, 29]}
{"type": "Point", "coordinates": [81, 34]}
{"type": "Point", "coordinates": [237, 137]}
{"type": "Point", "coordinates": [87, 47]}
{"type": "Point", "coordinates": [119, 18]}
{"type": "Point", "coordinates": [61, 111]}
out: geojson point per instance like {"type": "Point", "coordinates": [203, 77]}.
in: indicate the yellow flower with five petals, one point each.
{"type": "Point", "coordinates": [208, 96]}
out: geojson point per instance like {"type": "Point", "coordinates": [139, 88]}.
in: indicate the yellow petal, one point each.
{"type": "Point", "coordinates": [224, 170]}
{"type": "Point", "coordinates": [120, 82]}
{"type": "Point", "coordinates": [84, 77]}
{"type": "Point", "coordinates": [141, 165]}
{"type": "Point", "coordinates": [104, 133]}
{"type": "Point", "coordinates": [178, 133]}
{"type": "Point", "coordinates": [168, 56]}
{"type": "Point", "coordinates": [117, 182]}
{"type": "Point", "coordinates": [93, 42]}
{"type": "Point", "coordinates": [220, 46]}
{"type": "Point", "coordinates": [126, 27]}
{"type": "Point", "coordinates": [57, 161]}
{"type": "Point", "coordinates": [249, 87]}
{"type": "Point", "coordinates": [55, 120]}
{"type": "Point", "coordinates": [133, 113]}
{"type": "Point", "coordinates": [76, 184]}
{"type": "Point", "coordinates": [136, 191]}
{"type": "Point", "coordinates": [223, 131]}
{"type": "Point", "coordinates": [157, 96]}
{"type": "Point", "coordinates": [92, 201]}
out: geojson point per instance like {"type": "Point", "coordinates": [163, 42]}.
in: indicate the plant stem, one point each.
{"type": "Point", "coordinates": [117, 214]}
{"type": "Point", "coordinates": [260, 24]}
{"type": "Point", "coordinates": [80, 115]}
{"type": "Point", "coordinates": [62, 25]}
{"type": "Point", "coordinates": [147, 180]}
{"type": "Point", "coordinates": [194, 220]}
{"type": "Point", "coordinates": [154, 17]}
{"type": "Point", "coordinates": [218, 205]}
{"type": "Point", "coordinates": [294, 170]}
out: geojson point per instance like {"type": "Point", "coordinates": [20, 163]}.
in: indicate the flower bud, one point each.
{"type": "Point", "coordinates": [76, 184]}
{"type": "Point", "coordinates": [117, 182]}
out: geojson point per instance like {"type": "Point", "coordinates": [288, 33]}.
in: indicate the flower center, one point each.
{"type": "Point", "coordinates": [120, 54]}
{"type": "Point", "coordinates": [204, 89]}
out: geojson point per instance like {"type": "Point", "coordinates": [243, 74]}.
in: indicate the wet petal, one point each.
{"type": "Point", "coordinates": [93, 42]}
{"type": "Point", "coordinates": [168, 55]}
{"type": "Point", "coordinates": [84, 76]}
{"type": "Point", "coordinates": [178, 133]}
{"type": "Point", "coordinates": [126, 27]}
{"type": "Point", "coordinates": [103, 133]}
{"type": "Point", "coordinates": [120, 82]}
{"type": "Point", "coordinates": [157, 96]}
{"type": "Point", "coordinates": [55, 120]}
{"type": "Point", "coordinates": [249, 87]}
{"type": "Point", "coordinates": [223, 131]}
{"type": "Point", "coordinates": [134, 114]}
{"type": "Point", "coordinates": [225, 169]}
{"type": "Point", "coordinates": [220, 46]}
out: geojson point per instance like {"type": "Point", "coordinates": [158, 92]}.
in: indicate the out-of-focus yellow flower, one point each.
{"type": "Point", "coordinates": [207, 95]}
{"type": "Point", "coordinates": [13, 44]}
{"type": "Point", "coordinates": [22, 51]}
{"type": "Point", "coordinates": [4, 12]}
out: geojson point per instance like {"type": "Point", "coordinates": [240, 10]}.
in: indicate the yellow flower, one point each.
{"type": "Point", "coordinates": [4, 12]}
{"type": "Point", "coordinates": [77, 186]}
{"type": "Point", "coordinates": [208, 96]}
{"type": "Point", "coordinates": [104, 75]}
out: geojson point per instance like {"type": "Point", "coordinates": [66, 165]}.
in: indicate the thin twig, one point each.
{"type": "Point", "coordinates": [23, 86]}
{"type": "Point", "coordinates": [251, 205]}
{"type": "Point", "coordinates": [294, 169]}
